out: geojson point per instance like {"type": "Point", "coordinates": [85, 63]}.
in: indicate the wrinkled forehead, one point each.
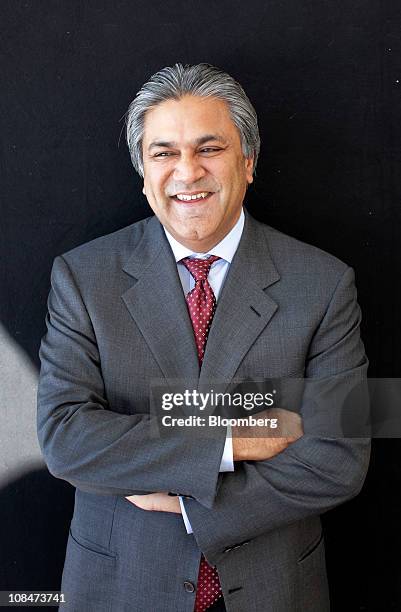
{"type": "Point", "coordinates": [189, 121]}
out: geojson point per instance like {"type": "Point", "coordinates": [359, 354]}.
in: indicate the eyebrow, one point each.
{"type": "Point", "coordinates": [198, 141]}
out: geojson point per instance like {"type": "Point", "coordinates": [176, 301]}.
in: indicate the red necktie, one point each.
{"type": "Point", "coordinates": [202, 305]}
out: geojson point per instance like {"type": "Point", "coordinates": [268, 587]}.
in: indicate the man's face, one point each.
{"type": "Point", "coordinates": [192, 147]}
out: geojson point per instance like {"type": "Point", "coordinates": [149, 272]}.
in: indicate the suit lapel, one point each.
{"type": "Point", "coordinates": [243, 309]}
{"type": "Point", "coordinates": [157, 304]}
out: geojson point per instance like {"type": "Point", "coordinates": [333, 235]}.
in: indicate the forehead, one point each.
{"type": "Point", "coordinates": [188, 119]}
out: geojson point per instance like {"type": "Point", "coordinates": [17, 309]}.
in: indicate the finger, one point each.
{"type": "Point", "coordinates": [156, 502]}
{"type": "Point", "coordinates": [141, 501]}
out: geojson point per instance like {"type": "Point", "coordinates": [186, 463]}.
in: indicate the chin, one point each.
{"type": "Point", "coordinates": [190, 228]}
{"type": "Point", "coordinates": [187, 234]}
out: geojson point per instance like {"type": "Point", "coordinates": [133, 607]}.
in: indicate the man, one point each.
{"type": "Point", "coordinates": [199, 291]}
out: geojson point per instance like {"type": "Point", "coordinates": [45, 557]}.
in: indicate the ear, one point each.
{"type": "Point", "coordinates": [249, 169]}
{"type": "Point", "coordinates": [143, 190]}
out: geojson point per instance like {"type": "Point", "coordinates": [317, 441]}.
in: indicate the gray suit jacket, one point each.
{"type": "Point", "coordinates": [118, 319]}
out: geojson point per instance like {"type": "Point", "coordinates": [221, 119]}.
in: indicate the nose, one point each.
{"type": "Point", "coordinates": [188, 169]}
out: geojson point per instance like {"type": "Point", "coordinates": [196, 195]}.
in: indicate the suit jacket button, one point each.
{"type": "Point", "coordinates": [189, 587]}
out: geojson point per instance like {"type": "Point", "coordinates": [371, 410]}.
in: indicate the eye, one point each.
{"type": "Point", "coordinates": [164, 154]}
{"type": "Point", "coordinates": [210, 150]}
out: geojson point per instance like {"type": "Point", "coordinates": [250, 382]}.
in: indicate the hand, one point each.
{"type": "Point", "coordinates": [159, 502]}
{"type": "Point", "coordinates": [264, 442]}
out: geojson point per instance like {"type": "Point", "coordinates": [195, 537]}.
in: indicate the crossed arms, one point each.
{"type": "Point", "coordinates": [104, 452]}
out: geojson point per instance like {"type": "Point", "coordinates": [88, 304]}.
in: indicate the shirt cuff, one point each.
{"type": "Point", "coordinates": [226, 465]}
{"type": "Point", "coordinates": [227, 460]}
{"type": "Point", "coordinates": [185, 516]}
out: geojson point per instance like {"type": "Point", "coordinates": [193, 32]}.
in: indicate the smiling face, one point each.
{"type": "Point", "coordinates": [195, 173]}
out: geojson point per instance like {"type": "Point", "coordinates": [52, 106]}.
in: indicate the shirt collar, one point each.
{"type": "Point", "coordinates": [225, 249]}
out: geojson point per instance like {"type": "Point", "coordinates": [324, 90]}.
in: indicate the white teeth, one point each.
{"type": "Point", "coordinates": [186, 198]}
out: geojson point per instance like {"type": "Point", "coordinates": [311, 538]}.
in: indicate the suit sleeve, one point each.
{"type": "Point", "coordinates": [87, 444]}
{"type": "Point", "coordinates": [312, 475]}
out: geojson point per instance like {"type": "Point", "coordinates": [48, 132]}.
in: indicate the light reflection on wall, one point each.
{"type": "Point", "coordinates": [19, 448]}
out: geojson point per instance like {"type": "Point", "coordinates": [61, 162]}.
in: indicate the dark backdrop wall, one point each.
{"type": "Point", "coordinates": [325, 78]}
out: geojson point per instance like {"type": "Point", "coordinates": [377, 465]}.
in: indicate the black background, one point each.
{"type": "Point", "coordinates": [325, 79]}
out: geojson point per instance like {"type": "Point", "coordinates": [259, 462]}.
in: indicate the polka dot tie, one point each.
{"type": "Point", "coordinates": [202, 305]}
{"type": "Point", "coordinates": [201, 300]}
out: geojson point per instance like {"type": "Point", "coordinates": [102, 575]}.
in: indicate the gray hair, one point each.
{"type": "Point", "coordinates": [174, 82]}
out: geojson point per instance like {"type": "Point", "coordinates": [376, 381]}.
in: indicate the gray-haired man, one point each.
{"type": "Point", "coordinates": [199, 291]}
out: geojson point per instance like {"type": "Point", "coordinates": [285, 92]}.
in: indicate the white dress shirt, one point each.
{"type": "Point", "coordinates": [225, 250]}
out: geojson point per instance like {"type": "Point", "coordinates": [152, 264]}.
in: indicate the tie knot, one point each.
{"type": "Point", "coordinates": [199, 268]}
